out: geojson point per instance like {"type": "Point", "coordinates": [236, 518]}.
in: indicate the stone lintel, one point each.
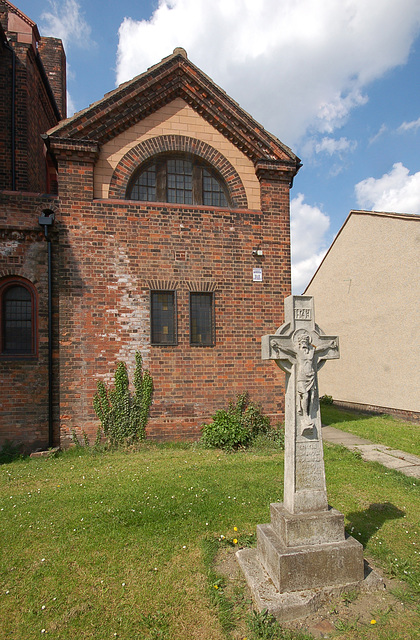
{"type": "Point", "coordinates": [310, 566]}
{"type": "Point", "coordinates": [296, 530]}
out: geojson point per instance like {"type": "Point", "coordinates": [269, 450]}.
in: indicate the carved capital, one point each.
{"type": "Point", "coordinates": [275, 171]}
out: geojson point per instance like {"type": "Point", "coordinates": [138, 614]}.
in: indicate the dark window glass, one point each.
{"type": "Point", "coordinates": [163, 317]}
{"type": "Point", "coordinates": [201, 319]}
{"type": "Point", "coordinates": [177, 179]}
{"type": "Point", "coordinates": [144, 187]}
{"type": "Point", "coordinates": [213, 192]}
{"type": "Point", "coordinates": [17, 321]}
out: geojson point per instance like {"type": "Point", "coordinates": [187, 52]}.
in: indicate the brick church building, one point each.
{"type": "Point", "coordinates": [156, 220]}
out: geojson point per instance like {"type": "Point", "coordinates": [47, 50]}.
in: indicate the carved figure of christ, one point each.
{"type": "Point", "coordinates": [304, 356]}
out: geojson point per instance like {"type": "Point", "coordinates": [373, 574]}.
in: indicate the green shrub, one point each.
{"type": "Point", "coordinates": [10, 452]}
{"type": "Point", "coordinates": [235, 427]}
{"type": "Point", "coordinates": [272, 441]}
{"type": "Point", "coordinates": [124, 415]}
{"type": "Point", "coordinates": [325, 400]}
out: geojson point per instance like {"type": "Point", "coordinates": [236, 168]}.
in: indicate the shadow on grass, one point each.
{"type": "Point", "coordinates": [333, 415]}
{"type": "Point", "coordinates": [370, 520]}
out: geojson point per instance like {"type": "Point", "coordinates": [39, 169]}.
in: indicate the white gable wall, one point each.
{"type": "Point", "coordinates": [366, 291]}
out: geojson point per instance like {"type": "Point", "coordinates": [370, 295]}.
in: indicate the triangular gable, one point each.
{"type": "Point", "coordinates": [379, 214]}
{"type": "Point", "coordinates": [22, 19]}
{"type": "Point", "coordinates": [175, 76]}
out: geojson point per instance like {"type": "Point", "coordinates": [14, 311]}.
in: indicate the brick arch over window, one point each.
{"type": "Point", "coordinates": [180, 144]}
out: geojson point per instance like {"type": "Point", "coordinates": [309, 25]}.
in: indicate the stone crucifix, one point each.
{"type": "Point", "coordinates": [300, 348]}
{"type": "Point", "coordinates": [303, 554]}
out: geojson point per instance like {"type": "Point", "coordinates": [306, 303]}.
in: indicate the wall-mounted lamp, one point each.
{"type": "Point", "coordinates": [257, 252]}
{"type": "Point", "coordinates": [46, 219]}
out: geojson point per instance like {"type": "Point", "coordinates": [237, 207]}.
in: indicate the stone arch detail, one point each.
{"type": "Point", "coordinates": [167, 143]}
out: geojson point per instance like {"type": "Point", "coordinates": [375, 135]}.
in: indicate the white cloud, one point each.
{"type": "Point", "coordinates": [308, 227]}
{"type": "Point", "coordinates": [71, 107]}
{"type": "Point", "coordinates": [408, 126]}
{"type": "Point", "coordinates": [313, 148]}
{"type": "Point", "coordinates": [395, 191]}
{"type": "Point", "coordinates": [383, 129]}
{"type": "Point", "coordinates": [65, 21]}
{"type": "Point", "coordinates": [296, 66]}
{"type": "Point", "coordinates": [331, 145]}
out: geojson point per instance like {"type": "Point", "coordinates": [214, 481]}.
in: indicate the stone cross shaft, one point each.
{"type": "Point", "coordinates": [300, 348]}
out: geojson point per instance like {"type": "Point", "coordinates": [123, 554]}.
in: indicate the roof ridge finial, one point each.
{"type": "Point", "coordinates": [180, 51]}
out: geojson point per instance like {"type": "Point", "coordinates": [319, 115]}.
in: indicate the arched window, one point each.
{"type": "Point", "coordinates": [17, 318]}
{"type": "Point", "coordinates": [181, 179]}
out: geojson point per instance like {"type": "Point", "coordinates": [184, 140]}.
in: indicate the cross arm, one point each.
{"type": "Point", "coordinates": [280, 349]}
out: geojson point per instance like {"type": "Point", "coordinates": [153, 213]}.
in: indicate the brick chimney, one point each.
{"type": "Point", "coordinates": [53, 58]}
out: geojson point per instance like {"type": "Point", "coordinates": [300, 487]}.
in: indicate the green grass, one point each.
{"type": "Point", "coordinates": [385, 430]}
{"type": "Point", "coordinates": [121, 544]}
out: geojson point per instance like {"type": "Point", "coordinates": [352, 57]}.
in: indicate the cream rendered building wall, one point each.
{"type": "Point", "coordinates": [367, 292]}
{"type": "Point", "coordinates": [176, 118]}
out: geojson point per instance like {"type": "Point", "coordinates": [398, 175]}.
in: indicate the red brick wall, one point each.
{"type": "Point", "coordinates": [23, 253]}
{"type": "Point", "coordinates": [112, 253]}
{"type": "Point", "coordinates": [24, 383]}
{"type": "Point", "coordinates": [5, 119]}
{"type": "Point", "coordinates": [34, 113]}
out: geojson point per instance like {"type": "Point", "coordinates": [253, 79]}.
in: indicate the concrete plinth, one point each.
{"type": "Point", "coordinates": [301, 559]}
{"type": "Point", "coordinates": [309, 566]}
{"type": "Point", "coordinates": [296, 530]}
{"type": "Point", "coordinates": [296, 604]}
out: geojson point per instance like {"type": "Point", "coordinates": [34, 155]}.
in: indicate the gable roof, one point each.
{"type": "Point", "coordinates": [31, 25]}
{"type": "Point", "coordinates": [377, 214]}
{"type": "Point", "coordinates": [173, 77]}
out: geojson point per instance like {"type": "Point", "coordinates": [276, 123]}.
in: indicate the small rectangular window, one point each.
{"type": "Point", "coordinates": [201, 319]}
{"type": "Point", "coordinates": [163, 317]}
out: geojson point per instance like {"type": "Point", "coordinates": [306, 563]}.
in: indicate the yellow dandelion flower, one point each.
{"type": "Point", "coordinates": [235, 541]}
{"type": "Point", "coordinates": [373, 622]}
{"type": "Point", "coordinates": [235, 528]}
{"type": "Point", "coordinates": [215, 586]}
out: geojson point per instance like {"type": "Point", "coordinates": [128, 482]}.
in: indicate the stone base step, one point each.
{"type": "Point", "coordinates": [309, 566]}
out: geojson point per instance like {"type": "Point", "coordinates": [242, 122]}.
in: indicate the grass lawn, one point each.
{"type": "Point", "coordinates": [122, 544]}
{"type": "Point", "coordinates": [386, 430]}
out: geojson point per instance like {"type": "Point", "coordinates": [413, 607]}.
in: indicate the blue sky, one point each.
{"type": "Point", "coordinates": [336, 80]}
